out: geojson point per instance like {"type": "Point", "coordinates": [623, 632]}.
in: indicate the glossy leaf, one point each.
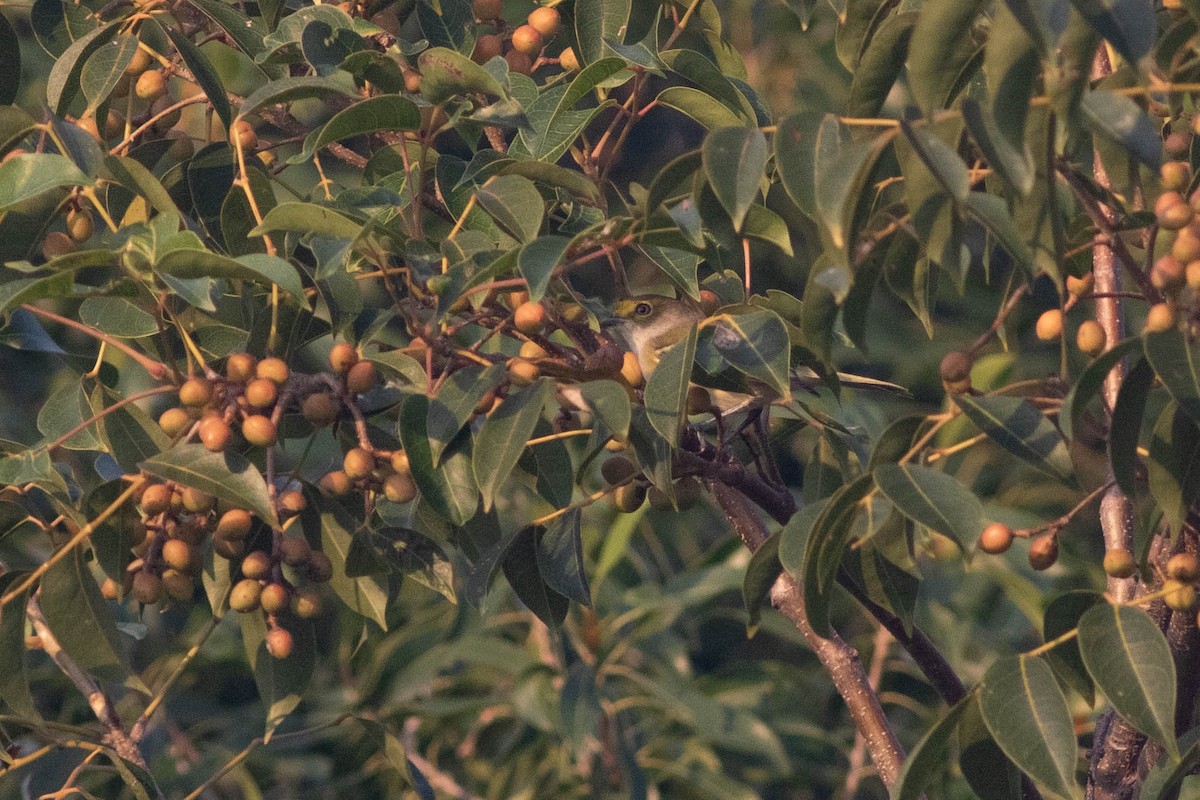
{"type": "Point", "coordinates": [1027, 714]}
{"type": "Point", "coordinates": [1176, 361]}
{"type": "Point", "coordinates": [1130, 660]}
{"type": "Point", "coordinates": [665, 396]}
{"type": "Point", "coordinates": [1121, 120]}
{"type": "Point", "coordinates": [202, 70]}
{"type": "Point", "coordinates": [451, 408]}
{"type": "Point", "coordinates": [595, 21]}
{"type": "Point", "coordinates": [881, 63]}
{"type": "Point", "coordinates": [118, 317]}
{"type": "Point", "coordinates": [1126, 427]}
{"type": "Point", "coordinates": [101, 73]}
{"type": "Point", "coordinates": [703, 108]}
{"type": "Point", "coordinates": [1092, 380]}
{"type": "Point", "coordinates": [226, 476]}
{"type": "Point", "coordinates": [538, 260]}
{"type": "Point", "coordinates": [450, 489]}
{"type": "Point", "coordinates": [1017, 426]}
{"type": "Point", "coordinates": [81, 618]}
{"type": "Point", "coordinates": [389, 112]}
{"type": "Point", "coordinates": [756, 344]}
{"type": "Point", "coordinates": [24, 177]}
{"type": "Point", "coordinates": [1173, 465]}
{"type": "Point", "coordinates": [365, 595]}
{"type": "Point", "coordinates": [287, 90]}
{"type": "Point", "coordinates": [761, 574]}
{"type": "Point", "coordinates": [941, 27]}
{"type": "Point", "coordinates": [445, 73]}
{"type": "Point", "coordinates": [934, 499]}
{"type": "Point", "coordinates": [256, 267]}
{"type": "Point", "coordinates": [561, 561]}
{"type": "Point", "coordinates": [281, 681]}
{"type": "Point", "coordinates": [610, 401]}
{"type": "Point", "coordinates": [501, 440]}
{"type": "Point", "coordinates": [14, 678]}
{"type": "Point", "coordinates": [515, 204]}
{"type": "Point", "coordinates": [734, 160]}
{"type": "Point", "coordinates": [63, 81]}
{"type": "Point", "coordinates": [929, 753]}
{"type": "Point", "coordinates": [801, 140]}
{"type": "Point", "coordinates": [1062, 616]}
{"type": "Point", "coordinates": [308, 218]}
{"type": "Point", "coordinates": [827, 542]}
{"type": "Point", "coordinates": [520, 567]}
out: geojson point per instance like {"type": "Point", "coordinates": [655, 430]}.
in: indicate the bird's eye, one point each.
{"type": "Point", "coordinates": [643, 309]}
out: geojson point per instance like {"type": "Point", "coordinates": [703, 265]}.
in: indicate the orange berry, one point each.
{"type": "Point", "coordinates": [631, 371]}
{"type": "Point", "coordinates": [1160, 319]}
{"type": "Point", "coordinates": [196, 501]}
{"type": "Point", "coordinates": [1090, 338]}
{"type": "Point", "coordinates": [196, 392]}
{"type": "Point", "coordinates": [1175, 175]}
{"type": "Point", "coordinates": [342, 357]}
{"type": "Point", "coordinates": [156, 499]}
{"type": "Point", "coordinates": [487, 47]}
{"type": "Point", "coordinates": [528, 40]}
{"type": "Point", "coordinates": [568, 60]}
{"type": "Point", "coordinates": [487, 9]}
{"type": "Point", "coordinates": [259, 431]}
{"type": "Point", "coordinates": [294, 550]}
{"type": "Point", "coordinates": [292, 502]}
{"type": "Point", "coordinates": [174, 421]}
{"type": "Point", "coordinates": [320, 408]}
{"type": "Point", "coordinates": [306, 603]}
{"type": "Point", "coordinates": [243, 131]}
{"type": "Point", "coordinates": [178, 554]}
{"type": "Point", "coordinates": [274, 598]}
{"type": "Point", "coordinates": [358, 463]}
{"type": "Point", "coordinates": [530, 318]}
{"type": "Point", "coordinates": [320, 568]}
{"type": "Point", "coordinates": [1043, 552]}
{"type": "Point", "coordinates": [629, 497]}
{"type": "Point", "coordinates": [518, 62]}
{"type": "Point", "coordinates": [257, 565]}
{"type": "Point", "coordinates": [261, 393]}
{"type": "Point", "coordinates": [1183, 567]}
{"type": "Point", "coordinates": [147, 588]}
{"type": "Point", "coordinates": [996, 538]}
{"type": "Point", "coordinates": [150, 85]}
{"type": "Point", "coordinates": [245, 595]}
{"type": "Point", "coordinates": [57, 244]}
{"type": "Point", "coordinates": [335, 484]}
{"type": "Point", "coordinates": [239, 367]}
{"type": "Point", "coordinates": [139, 63]}
{"type": "Point", "coordinates": [280, 643]}
{"type": "Point", "coordinates": [1050, 325]}
{"type": "Point", "coordinates": [522, 372]}
{"type": "Point", "coordinates": [1119, 563]}
{"type": "Point", "coordinates": [79, 225]}
{"type": "Point", "coordinates": [362, 377]}
{"type": "Point", "coordinates": [215, 434]}
{"type": "Point", "coordinates": [274, 370]}
{"type": "Point", "coordinates": [545, 21]}
{"type": "Point", "coordinates": [399, 488]}
{"type": "Point", "coordinates": [1080, 286]}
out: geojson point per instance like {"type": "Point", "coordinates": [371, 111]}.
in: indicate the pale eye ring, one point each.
{"type": "Point", "coordinates": [642, 309]}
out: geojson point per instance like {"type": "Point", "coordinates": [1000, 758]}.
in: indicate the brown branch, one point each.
{"type": "Point", "coordinates": [839, 659]}
{"type": "Point", "coordinates": [858, 755]}
{"type": "Point", "coordinates": [157, 370]}
{"type": "Point", "coordinates": [114, 734]}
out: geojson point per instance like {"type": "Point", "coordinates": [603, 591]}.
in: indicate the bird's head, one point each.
{"type": "Point", "coordinates": [650, 323]}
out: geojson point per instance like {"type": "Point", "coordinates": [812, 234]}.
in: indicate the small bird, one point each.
{"type": "Point", "coordinates": [649, 324]}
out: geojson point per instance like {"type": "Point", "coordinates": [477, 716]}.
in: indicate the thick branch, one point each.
{"type": "Point", "coordinates": [114, 734]}
{"type": "Point", "coordinates": [839, 659]}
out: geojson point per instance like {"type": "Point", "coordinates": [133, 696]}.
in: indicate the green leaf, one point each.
{"type": "Point", "coordinates": [597, 20]}
{"type": "Point", "coordinates": [553, 175]}
{"type": "Point", "coordinates": [1028, 716]}
{"type": "Point", "coordinates": [554, 136]}
{"type": "Point", "coordinates": [678, 265]}
{"type": "Point", "coordinates": [520, 567]}
{"type": "Point", "coordinates": [703, 108]}
{"type": "Point", "coordinates": [14, 680]}
{"type": "Point", "coordinates": [81, 618]}
{"type": "Point", "coordinates": [1092, 380]}
{"type": "Point", "coordinates": [202, 70]}
{"type": "Point", "coordinates": [112, 541]}
{"type": "Point", "coordinates": [135, 177]}
{"type": "Point", "coordinates": [665, 396]}
{"type": "Point", "coordinates": [734, 160]}
{"type": "Point", "coordinates": [930, 753]}
{"type": "Point", "coordinates": [365, 595]}
{"type": "Point", "coordinates": [287, 90]}
{"type": "Point", "coordinates": [451, 408]}
{"type": "Point", "coordinates": [102, 72]}
{"type": "Point", "coordinates": [610, 401]}
{"type": "Point", "coordinates": [64, 410]}
{"type": "Point", "coordinates": [538, 259]}
{"type": "Point", "coordinates": [1017, 426]}
{"type": "Point", "coordinates": [1165, 779]}
{"type": "Point", "coordinates": [1130, 660]}
{"type": "Point", "coordinates": [560, 558]}
{"type": "Point", "coordinates": [325, 47]}
{"type": "Point", "coordinates": [257, 267]}
{"type": "Point", "coordinates": [839, 183]}
{"type": "Point", "coordinates": [1062, 616]}
{"type": "Point", "coordinates": [244, 32]}
{"type": "Point", "coordinates": [761, 574]}
{"type": "Point", "coordinates": [226, 476]}
{"type": "Point", "coordinates": [449, 489]}
{"type": "Point", "coordinates": [1121, 120]}
{"type": "Point", "coordinates": [793, 538]}
{"type": "Point", "coordinates": [388, 112]}
{"type": "Point", "coordinates": [831, 533]}
{"type": "Point", "coordinates": [63, 81]}
{"type": "Point", "coordinates": [129, 433]}
{"type": "Point", "coordinates": [501, 440]}
{"type": "Point", "coordinates": [1124, 23]}
{"type": "Point", "coordinates": [1126, 425]}
{"type": "Point", "coordinates": [933, 59]}
{"type": "Point", "coordinates": [991, 212]}
{"type": "Point", "coordinates": [25, 176]}
{"type": "Point", "coordinates": [445, 73]}
{"type": "Point", "coordinates": [447, 23]}
{"type": "Point", "coordinates": [515, 204]}
{"type": "Point", "coordinates": [308, 218]}
{"type": "Point", "coordinates": [880, 65]}
{"type": "Point", "coordinates": [941, 161]}
{"type": "Point", "coordinates": [755, 343]}
{"type": "Point", "coordinates": [1014, 165]}
{"type": "Point", "coordinates": [801, 140]}
{"type": "Point", "coordinates": [934, 499]}
{"type": "Point", "coordinates": [117, 316]}
{"type": "Point", "coordinates": [1173, 465]}
{"type": "Point", "coordinates": [281, 681]}
{"type": "Point", "coordinates": [1177, 363]}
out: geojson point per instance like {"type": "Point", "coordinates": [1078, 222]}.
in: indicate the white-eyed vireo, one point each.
{"type": "Point", "coordinates": [649, 324]}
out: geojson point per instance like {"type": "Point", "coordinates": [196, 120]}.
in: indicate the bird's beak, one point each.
{"type": "Point", "coordinates": [611, 322]}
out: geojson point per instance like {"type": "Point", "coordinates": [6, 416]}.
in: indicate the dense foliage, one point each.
{"type": "Point", "coordinates": [315, 327]}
